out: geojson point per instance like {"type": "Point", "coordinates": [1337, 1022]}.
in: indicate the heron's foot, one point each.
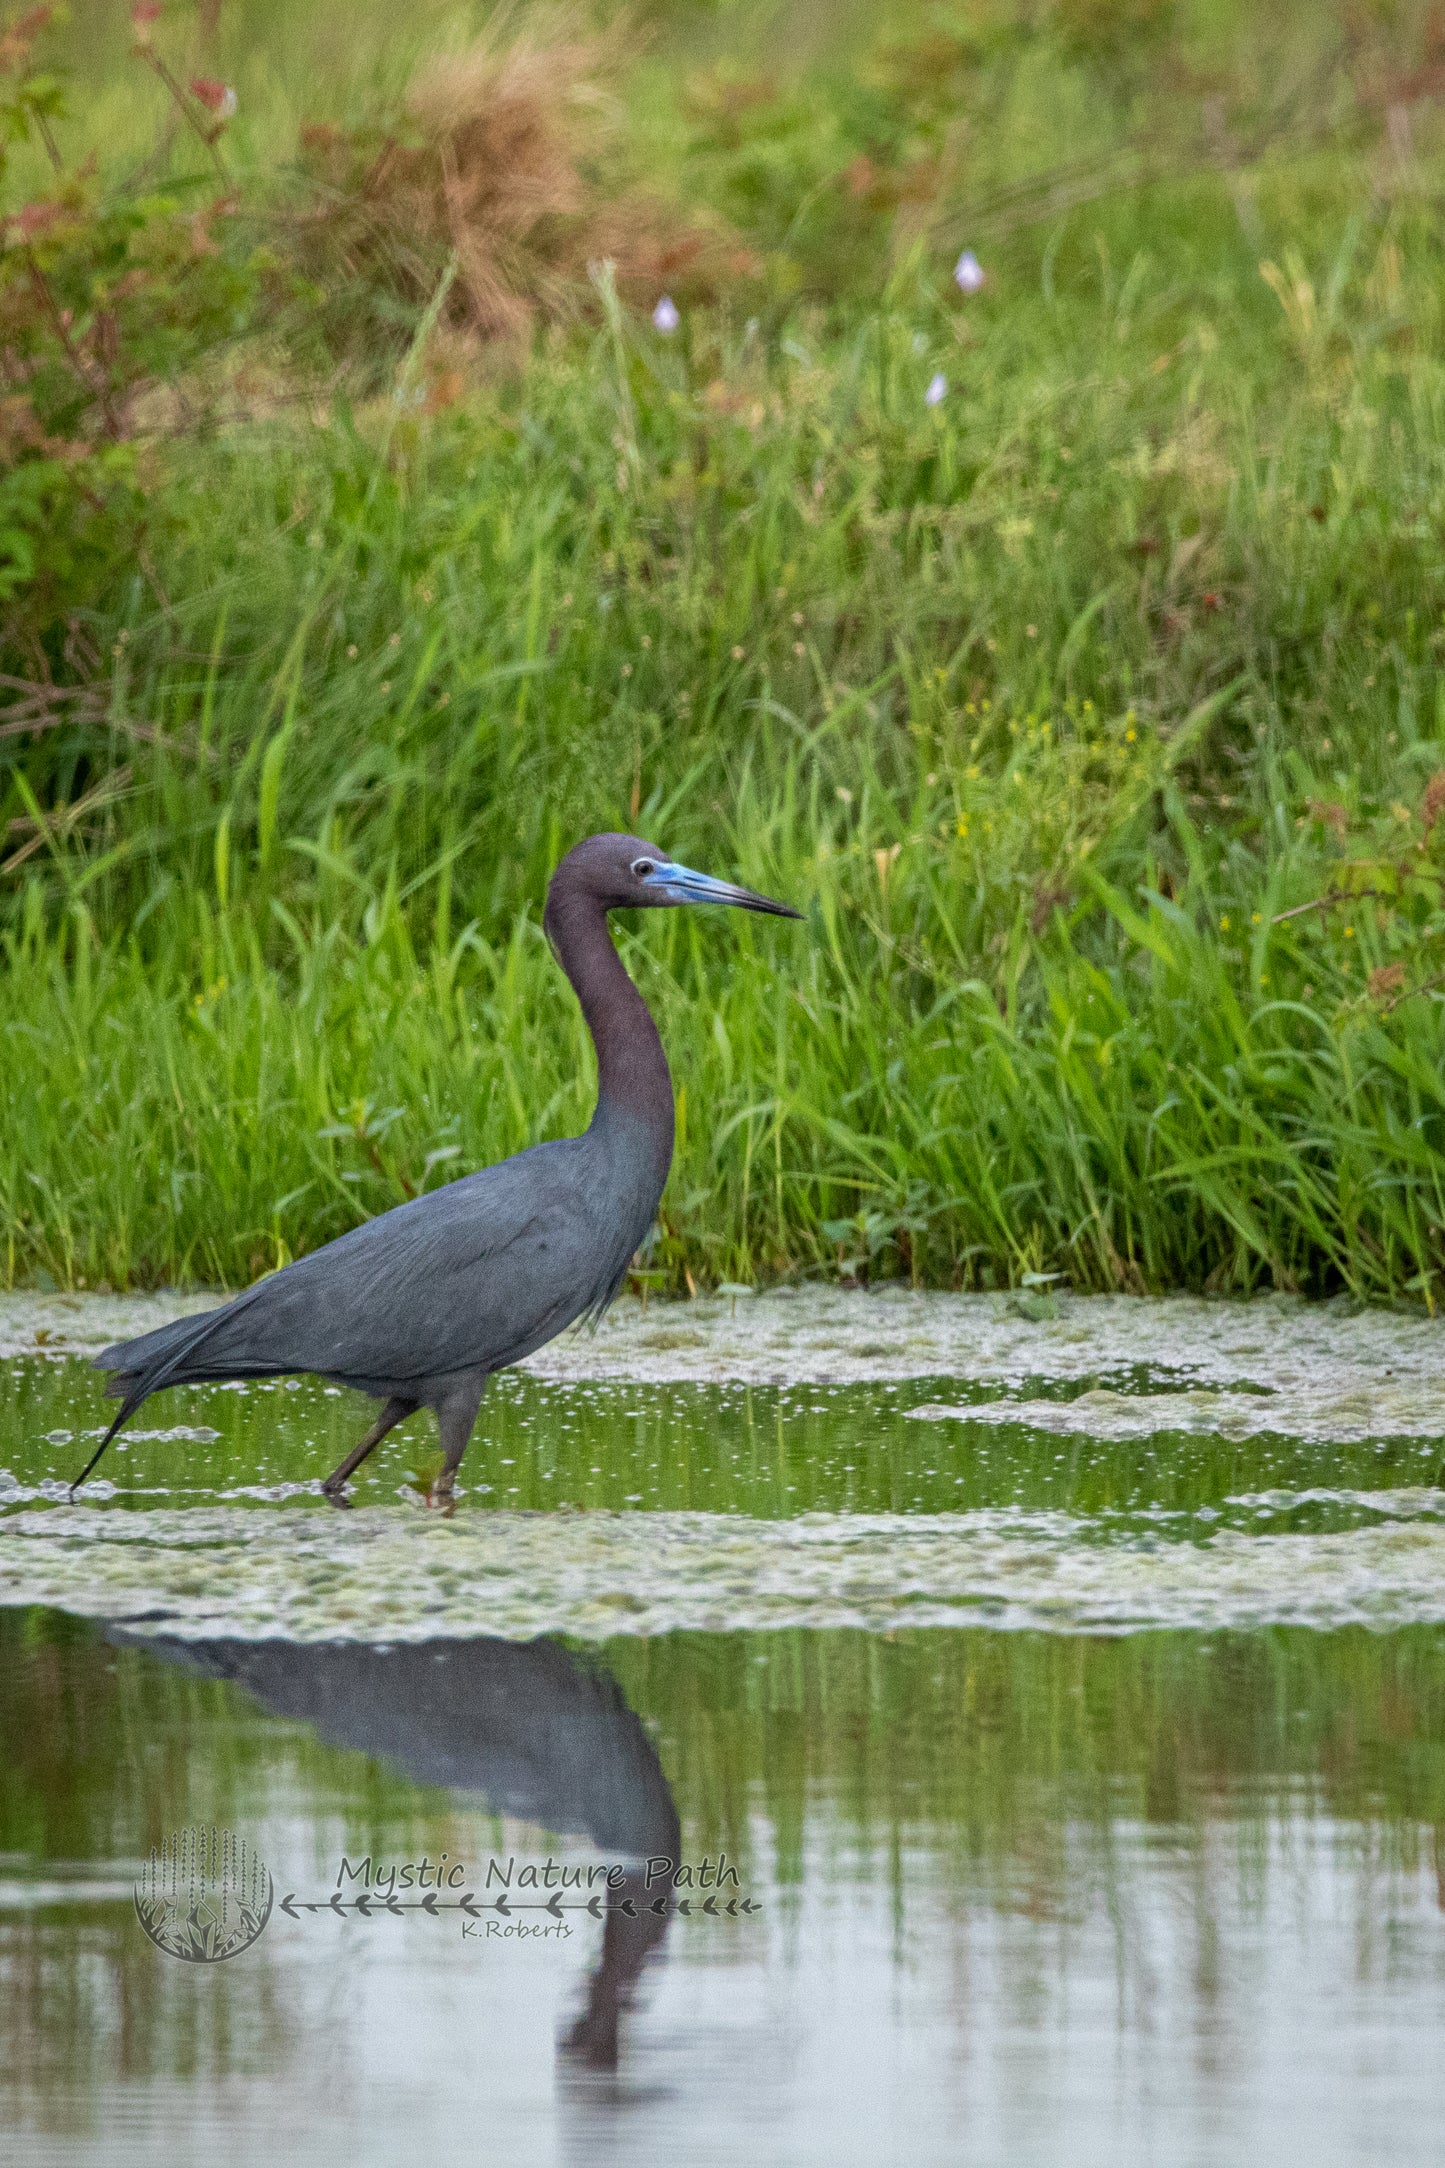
{"type": "Point", "coordinates": [593, 2041]}
{"type": "Point", "coordinates": [335, 1493]}
{"type": "Point", "coordinates": [441, 1497]}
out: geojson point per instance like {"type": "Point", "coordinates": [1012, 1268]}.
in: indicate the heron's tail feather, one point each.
{"type": "Point", "coordinates": [132, 1402]}
{"type": "Point", "coordinates": [133, 1360]}
{"type": "Point", "coordinates": [142, 1366]}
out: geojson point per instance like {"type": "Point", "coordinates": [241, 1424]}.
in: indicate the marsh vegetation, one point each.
{"type": "Point", "coordinates": [367, 541]}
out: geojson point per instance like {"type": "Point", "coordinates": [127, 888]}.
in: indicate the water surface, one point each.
{"type": "Point", "coordinates": [1022, 1898]}
{"type": "Point", "coordinates": [1067, 1694]}
{"type": "Point", "coordinates": [593, 1506]}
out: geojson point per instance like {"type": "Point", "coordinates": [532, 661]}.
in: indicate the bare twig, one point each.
{"type": "Point", "coordinates": [143, 558]}
{"type": "Point", "coordinates": [1410, 992]}
{"type": "Point", "coordinates": [42, 689]}
{"type": "Point", "coordinates": [100, 794]}
{"type": "Point", "coordinates": [48, 707]}
{"type": "Point", "coordinates": [1082, 180]}
{"type": "Point", "coordinates": [47, 137]}
{"type": "Point", "coordinates": [208, 136]}
{"type": "Point", "coordinates": [97, 387]}
{"type": "Point", "coordinates": [1324, 903]}
{"type": "Point", "coordinates": [44, 706]}
{"type": "Point", "coordinates": [143, 733]}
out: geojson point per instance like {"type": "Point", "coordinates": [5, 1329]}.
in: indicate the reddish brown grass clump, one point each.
{"type": "Point", "coordinates": [506, 159]}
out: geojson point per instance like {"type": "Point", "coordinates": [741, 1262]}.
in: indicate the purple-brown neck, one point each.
{"type": "Point", "coordinates": [632, 1072]}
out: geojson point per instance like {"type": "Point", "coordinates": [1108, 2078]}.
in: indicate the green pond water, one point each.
{"type": "Point", "coordinates": [1085, 1786]}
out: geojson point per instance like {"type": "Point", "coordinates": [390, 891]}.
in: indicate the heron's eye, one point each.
{"type": "Point", "coordinates": [643, 866]}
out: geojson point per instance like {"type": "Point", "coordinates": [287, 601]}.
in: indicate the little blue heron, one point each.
{"type": "Point", "coordinates": [417, 1307]}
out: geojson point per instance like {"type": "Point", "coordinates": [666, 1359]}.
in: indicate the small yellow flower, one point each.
{"type": "Point", "coordinates": [1130, 735]}
{"type": "Point", "coordinates": [1224, 923]}
{"type": "Point", "coordinates": [1256, 919]}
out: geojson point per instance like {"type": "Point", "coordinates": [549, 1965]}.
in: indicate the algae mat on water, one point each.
{"type": "Point", "coordinates": [1356, 1534]}
{"type": "Point", "coordinates": [393, 1574]}
{"type": "Point", "coordinates": [811, 1333]}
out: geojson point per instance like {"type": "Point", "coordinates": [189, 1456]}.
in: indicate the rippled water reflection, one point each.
{"type": "Point", "coordinates": [1118, 1834]}
{"type": "Point", "coordinates": [1024, 1898]}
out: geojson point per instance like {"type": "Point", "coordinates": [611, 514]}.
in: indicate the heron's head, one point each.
{"type": "Point", "coordinates": [625, 872]}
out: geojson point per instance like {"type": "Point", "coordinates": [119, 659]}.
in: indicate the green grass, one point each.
{"type": "Point", "coordinates": [1043, 704]}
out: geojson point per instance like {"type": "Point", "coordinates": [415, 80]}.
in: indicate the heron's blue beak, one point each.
{"type": "Point", "coordinates": [671, 883]}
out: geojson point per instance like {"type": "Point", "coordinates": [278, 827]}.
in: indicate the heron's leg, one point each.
{"type": "Point", "coordinates": [395, 1411]}
{"type": "Point", "coordinates": [628, 1945]}
{"type": "Point", "coordinates": [456, 1420]}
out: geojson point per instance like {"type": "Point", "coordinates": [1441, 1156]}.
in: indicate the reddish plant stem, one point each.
{"type": "Point", "coordinates": [97, 386]}
{"type": "Point", "coordinates": [183, 104]}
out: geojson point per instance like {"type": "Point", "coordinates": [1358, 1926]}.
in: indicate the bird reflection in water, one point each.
{"type": "Point", "coordinates": [537, 1732]}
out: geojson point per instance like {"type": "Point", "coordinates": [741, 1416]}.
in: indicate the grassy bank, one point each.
{"type": "Point", "coordinates": [1091, 713]}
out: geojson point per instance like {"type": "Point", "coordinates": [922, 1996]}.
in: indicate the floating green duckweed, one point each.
{"type": "Point", "coordinates": [1126, 1465]}
{"type": "Point", "coordinates": [1415, 1409]}
{"type": "Point", "coordinates": [389, 1573]}
{"type": "Point", "coordinates": [815, 1334]}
